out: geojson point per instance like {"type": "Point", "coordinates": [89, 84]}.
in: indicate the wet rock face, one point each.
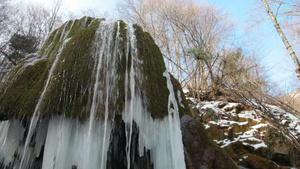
{"type": "Point", "coordinates": [199, 150]}
{"type": "Point", "coordinates": [116, 155]}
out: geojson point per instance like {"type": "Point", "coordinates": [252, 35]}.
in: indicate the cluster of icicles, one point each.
{"type": "Point", "coordinates": [66, 143]}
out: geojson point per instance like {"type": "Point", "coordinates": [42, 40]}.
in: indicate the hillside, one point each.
{"type": "Point", "coordinates": [254, 138]}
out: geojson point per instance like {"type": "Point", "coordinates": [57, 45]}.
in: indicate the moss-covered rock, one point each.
{"type": "Point", "coordinates": [22, 90]}
{"type": "Point", "coordinates": [157, 93]}
{"type": "Point", "coordinates": [20, 95]}
{"type": "Point", "coordinates": [69, 89]}
{"type": "Point", "coordinates": [71, 85]}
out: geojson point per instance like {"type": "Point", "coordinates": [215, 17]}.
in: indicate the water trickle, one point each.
{"type": "Point", "coordinates": [174, 127]}
{"type": "Point", "coordinates": [35, 116]}
{"type": "Point", "coordinates": [66, 30]}
{"type": "Point", "coordinates": [161, 136]}
{"type": "Point", "coordinates": [106, 56]}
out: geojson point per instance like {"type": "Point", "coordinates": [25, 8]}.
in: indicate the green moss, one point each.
{"type": "Point", "coordinates": [122, 31]}
{"type": "Point", "coordinates": [116, 104]}
{"type": "Point", "coordinates": [20, 97]}
{"type": "Point", "coordinates": [70, 26]}
{"type": "Point", "coordinates": [70, 87]}
{"type": "Point", "coordinates": [52, 41]}
{"type": "Point", "coordinates": [79, 24]}
{"type": "Point", "coordinates": [156, 90]}
{"type": "Point", "coordinates": [75, 27]}
{"type": "Point", "coordinates": [51, 55]}
{"type": "Point", "coordinates": [14, 73]}
{"type": "Point", "coordinates": [70, 90]}
{"type": "Point", "coordinates": [121, 67]}
{"type": "Point", "coordinates": [210, 113]}
{"type": "Point", "coordinates": [182, 110]}
{"type": "Point", "coordinates": [48, 41]}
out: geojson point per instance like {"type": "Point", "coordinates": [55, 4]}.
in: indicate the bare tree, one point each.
{"type": "Point", "coordinates": [38, 21]}
{"type": "Point", "coordinates": [178, 26]}
{"type": "Point", "coordinates": [5, 12]}
{"type": "Point", "coordinates": [292, 11]}
{"type": "Point", "coordinates": [197, 43]}
{"type": "Point", "coordinates": [31, 23]}
{"type": "Point", "coordinates": [91, 12]}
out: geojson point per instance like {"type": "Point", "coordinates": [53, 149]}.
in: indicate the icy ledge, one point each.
{"type": "Point", "coordinates": [66, 144]}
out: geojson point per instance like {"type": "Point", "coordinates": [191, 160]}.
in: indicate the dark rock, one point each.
{"type": "Point", "coordinates": [199, 150]}
{"type": "Point", "coordinates": [239, 108]}
{"type": "Point", "coordinates": [116, 155]}
{"type": "Point", "coordinates": [222, 104]}
{"type": "Point", "coordinates": [241, 167]}
{"type": "Point", "coordinates": [257, 162]}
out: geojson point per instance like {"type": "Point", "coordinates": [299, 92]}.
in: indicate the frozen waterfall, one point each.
{"type": "Point", "coordinates": [60, 142]}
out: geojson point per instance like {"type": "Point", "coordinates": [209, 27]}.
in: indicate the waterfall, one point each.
{"type": "Point", "coordinates": [62, 142]}
{"type": "Point", "coordinates": [35, 116]}
{"type": "Point", "coordinates": [166, 151]}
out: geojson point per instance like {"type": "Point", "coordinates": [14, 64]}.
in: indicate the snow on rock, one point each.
{"type": "Point", "coordinates": [259, 145]}
{"type": "Point", "coordinates": [233, 116]}
{"type": "Point", "coordinates": [228, 116]}
{"type": "Point", "coordinates": [243, 130]}
{"type": "Point", "coordinates": [179, 98]}
{"type": "Point", "coordinates": [284, 117]}
{"type": "Point", "coordinates": [185, 90]}
{"type": "Point", "coordinates": [227, 123]}
{"type": "Point", "coordinates": [259, 126]}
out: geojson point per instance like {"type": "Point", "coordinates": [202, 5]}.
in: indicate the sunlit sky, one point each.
{"type": "Point", "coordinates": [80, 5]}
{"type": "Point", "coordinates": [274, 56]}
{"type": "Point", "coordinates": [272, 51]}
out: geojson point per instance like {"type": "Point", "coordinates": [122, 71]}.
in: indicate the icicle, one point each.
{"type": "Point", "coordinates": [161, 136]}
{"type": "Point", "coordinates": [35, 115]}
{"type": "Point", "coordinates": [86, 145]}
{"type": "Point", "coordinates": [66, 144]}
{"type": "Point", "coordinates": [174, 124]}
{"type": "Point", "coordinates": [11, 134]}
{"type": "Point", "coordinates": [131, 81]}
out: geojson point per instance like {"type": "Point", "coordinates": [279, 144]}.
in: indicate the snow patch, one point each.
{"type": "Point", "coordinates": [179, 98]}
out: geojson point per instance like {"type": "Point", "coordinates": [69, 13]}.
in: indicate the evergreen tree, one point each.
{"type": "Point", "coordinates": [20, 46]}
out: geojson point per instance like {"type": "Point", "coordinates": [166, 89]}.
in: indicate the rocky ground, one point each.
{"type": "Point", "coordinates": [253, 138]}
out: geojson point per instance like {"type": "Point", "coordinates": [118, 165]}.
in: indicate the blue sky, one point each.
{"type": "Point", "coordinates": [263, 37]}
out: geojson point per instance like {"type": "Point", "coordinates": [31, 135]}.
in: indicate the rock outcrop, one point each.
{"type": "Point", "coordinates": [251, 137]}
{"type": "Point", "coordinates": [200, 151]}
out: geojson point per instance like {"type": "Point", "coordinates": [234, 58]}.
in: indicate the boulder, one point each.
{"type": "Point", "coordinates": [199, 150]}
